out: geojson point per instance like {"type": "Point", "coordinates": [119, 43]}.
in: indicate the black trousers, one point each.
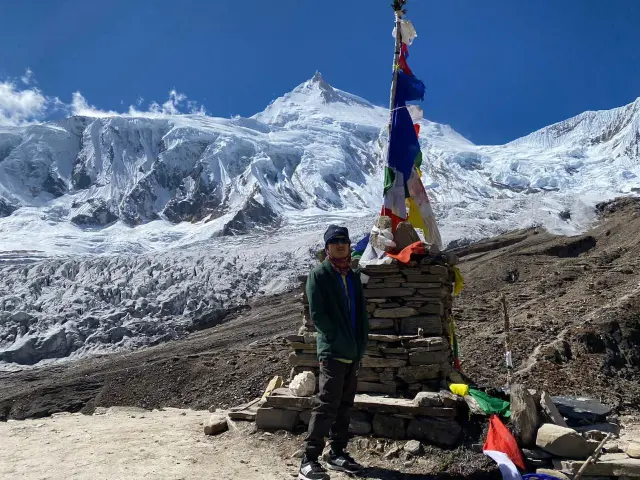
{"type": "Point", "coordinates": [332, 414]}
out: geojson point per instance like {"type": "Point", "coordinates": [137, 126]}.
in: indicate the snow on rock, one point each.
{"type": "Point", "coordinates": [119, 232]}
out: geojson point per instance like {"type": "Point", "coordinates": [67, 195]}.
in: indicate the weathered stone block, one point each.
{"type": "Point", "coordinates": [432, 308]}
{"type": "Point", "coordinates": [436, 431]}
{"type": "Point", "coordinates": [430, 324]}
{"type": "Point", "coordinates": [360, 423]}
{"type": "Point", "coordinates": [376, 387]}
{"type": "Point", "coordinates": [372, 362]}
{"type": "Point", "coordinates": [388, 292]}
{"type": "Point", "coordinates": [269, 418]}
{"type": "Point", "coordinates": [414, 374]}
{"type": "Point", "coordinates": [400, 312]}
{"type": "Point", "coordinates": [426, 357]}
{"type": "Point", "coordinates": [422, 285]}
{"type": "Point", "coordinates": [381, 323]}
{"type": "Point", "coordinates": [389, 426]}
{"type": "Point", "coordinates": [303, 359]}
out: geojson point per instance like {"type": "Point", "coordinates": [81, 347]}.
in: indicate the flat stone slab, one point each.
{"type": "Point", "coordinates": [429, 343]}
{"type": "Point", "coordinates": [374, 403]}
{"type": "Point", "coordinates": [281, 398]}
{"type": "Point", "coordinates": [609, 465]}
{"type": "Point", "coordinates": [388, 292]}
{"type": "Point", "coordinates": [391, 338]}
{"type": "Point", "coordinates": [581, 409]}
{"type": "Point", "coordinates": [380, 362]}
{"type": "Point", "coordinates": [398, 312]}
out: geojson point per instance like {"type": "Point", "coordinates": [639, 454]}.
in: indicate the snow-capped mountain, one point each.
{"type": "Point", "coordinates": [120, 230]}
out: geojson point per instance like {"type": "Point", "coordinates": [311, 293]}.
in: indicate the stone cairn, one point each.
{"type": "Point", "coordinates": [409, 313]}
{"type": "Point", "coordinates": [402, 390]}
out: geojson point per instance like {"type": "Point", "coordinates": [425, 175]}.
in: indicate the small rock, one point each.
{"type": "Point", "coordinates": [563, 442]}
{"type": "Point", "coordinates": [633, 450]}
{"type": "Point", "coordinates": [216, 424]}
{"type": "Point", "coordinates": [413, 447]}
{"type": "Point", "coordinates": [298, 453]}
{"type": "Point", "coordinates": [553, 473]}
{"type": "Point", "coordinates": [392, 453]}
{"type": "Point", "coordinates": [409, 463]}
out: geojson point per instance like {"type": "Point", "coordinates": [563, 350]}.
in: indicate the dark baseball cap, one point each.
{"type": "Point", "coordinates": [335, 232]}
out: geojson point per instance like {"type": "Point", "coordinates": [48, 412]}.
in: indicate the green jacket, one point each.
{"type": "Point", "coordinates": [331, 316]}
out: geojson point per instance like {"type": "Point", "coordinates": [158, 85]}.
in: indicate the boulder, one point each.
{"type": "Point", "coordinates": [303, 384]}
{"type": "Point", "coordinates": [524, 415]}
{"type": "Point", "coordinates": [413, 447]}
{"type": "Point", "coordinates": [216, 424]}
{"type": "Point", "coordinates": [563, 442]}
{"type": "Point", "coordinates": [550, 410]}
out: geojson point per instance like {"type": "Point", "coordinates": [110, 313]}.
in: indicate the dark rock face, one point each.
{"type": "Point", "coordinates": [96, 213]}
{"type": "Point", "coordinates": [6, 208]}
{"type": "Point", "coordinates": [252, 215]}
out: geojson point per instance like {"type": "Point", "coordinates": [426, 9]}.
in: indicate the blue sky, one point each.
{"type": "Point", "coordinates": [494, 69]}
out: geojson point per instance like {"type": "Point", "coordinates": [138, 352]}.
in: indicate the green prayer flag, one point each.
{"type": "Point", "coordinates": [490, 404]}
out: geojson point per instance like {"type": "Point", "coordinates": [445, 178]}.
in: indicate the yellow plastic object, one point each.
{"type": "Point", "coordinates": [459, 389]}
{"type": "Point", "coordinates": [458, 282]}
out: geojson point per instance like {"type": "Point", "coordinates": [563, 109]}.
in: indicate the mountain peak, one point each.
{"type": "Point", "coordinates": [317, 77]}
{"type": "Point", "coordinates": [312, 99]}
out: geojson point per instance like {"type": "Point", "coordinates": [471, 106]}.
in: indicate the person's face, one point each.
{"type": "Point", "coordinates": [339, 248]}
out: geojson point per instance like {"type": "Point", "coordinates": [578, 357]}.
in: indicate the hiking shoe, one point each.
{"type": "Point", "coordinates": [343, 462]}
{"type": "Point", "coordinates": [311, 470]}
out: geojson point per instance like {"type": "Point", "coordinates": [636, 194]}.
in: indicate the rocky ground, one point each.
{"type": "Point", "coordinates": [574, 305]}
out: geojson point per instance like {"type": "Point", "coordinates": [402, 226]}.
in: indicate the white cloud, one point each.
{"type": "Point", "coordinates": [23, 105]}
{"type": "Point", "coordinates": [28, 77]}
{"type": "Point", "coordinates": [20, 106]}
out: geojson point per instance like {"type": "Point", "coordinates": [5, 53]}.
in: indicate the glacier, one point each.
{"type": "Point", "coordinates": [122, 231]}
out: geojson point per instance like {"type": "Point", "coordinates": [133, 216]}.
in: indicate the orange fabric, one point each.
{"type": "Point", "coordinates": [499, 438]}
{"type": "Point", "coordinates": [404, 256]}
{"type": "Point", "coordinates": [416, 127]}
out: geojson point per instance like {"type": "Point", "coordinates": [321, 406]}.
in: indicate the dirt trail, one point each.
{"type": "Point", "coordinates": [131, 445]}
